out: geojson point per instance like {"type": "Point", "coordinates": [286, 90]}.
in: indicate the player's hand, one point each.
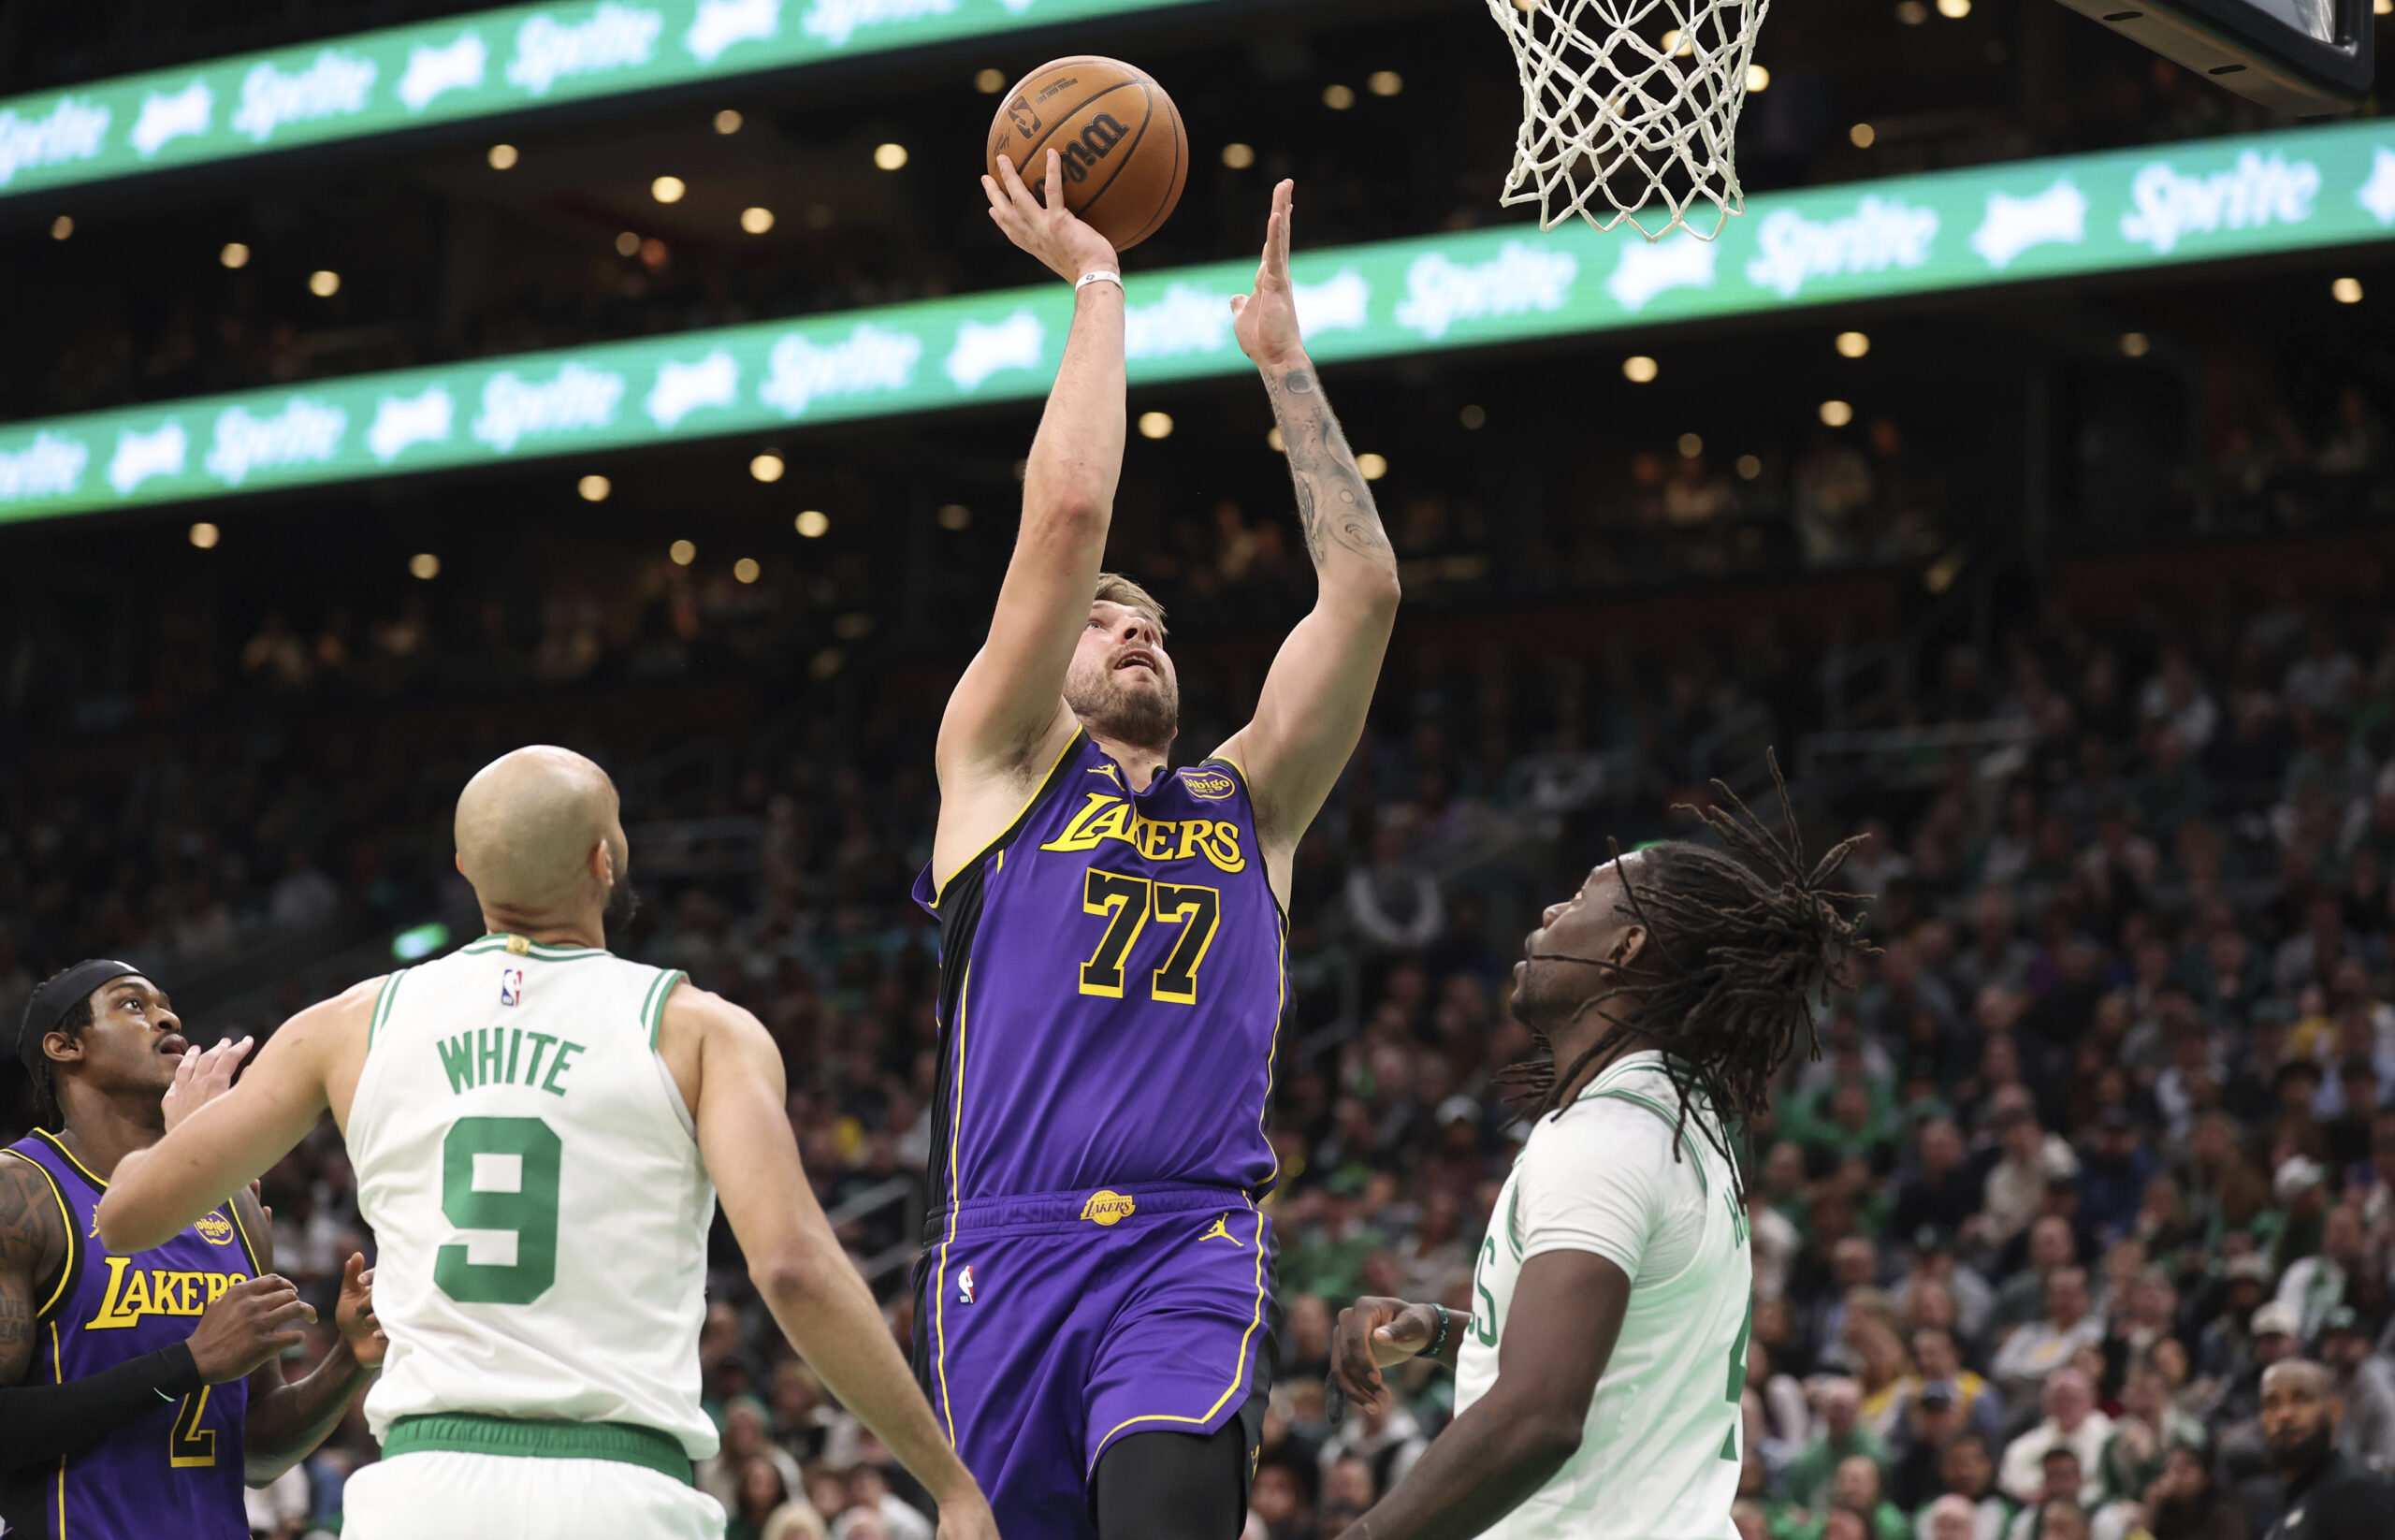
{"type": "Point", "coordinates": [1373, 1334]}
{"type": "Point", "coordinates": [255, 1320]}
{"type": "Point", "coordinates": [968, 1518]}
{"type": "Point", "coordinates": [201, 1077]}
{"type": "Point", "coordinates": [1266, 321]}
{"type": "Point", "coordinates": [1048, 231]}
{"type": "Point", "coordinates": [354, 1316]}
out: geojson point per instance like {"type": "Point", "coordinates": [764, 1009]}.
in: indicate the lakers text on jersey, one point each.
{"type": "Point", "coordinates": [176, 1470]}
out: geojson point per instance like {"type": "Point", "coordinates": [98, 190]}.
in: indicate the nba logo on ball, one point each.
{"type": "Point", "coordinates": [965, 1285]}
{"type": "Point", "coordinates": [511, 986]}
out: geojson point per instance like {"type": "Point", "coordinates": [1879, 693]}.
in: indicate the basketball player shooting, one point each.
{"type": "Point", "coordinates": [539, 1130]}
{"type": "Point", "coordinates": [1092, 1324]}
{"type": "Point", "coordinates": [1599, 1375]}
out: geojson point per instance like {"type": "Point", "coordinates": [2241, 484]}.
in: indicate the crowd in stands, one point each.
{"type": "Point", "coordinates": [2101, 1133]}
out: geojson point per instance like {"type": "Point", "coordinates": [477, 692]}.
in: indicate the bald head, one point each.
{"type": "Point", "coordinates": [530, 828]}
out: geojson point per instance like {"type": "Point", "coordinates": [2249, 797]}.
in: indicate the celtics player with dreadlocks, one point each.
{"type": "Point", "coordinates": [1598, 1375]}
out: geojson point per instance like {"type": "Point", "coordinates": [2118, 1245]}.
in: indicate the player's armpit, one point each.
{"type": "Point", "coordinates": [223, 1147]}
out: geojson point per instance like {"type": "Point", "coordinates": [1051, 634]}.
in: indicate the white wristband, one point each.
{"type": "Point", "coordinates": [1098, 275]}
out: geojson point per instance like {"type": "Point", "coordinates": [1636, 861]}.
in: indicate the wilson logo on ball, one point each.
{"type": "Point", "coordinates": [1081, 157]}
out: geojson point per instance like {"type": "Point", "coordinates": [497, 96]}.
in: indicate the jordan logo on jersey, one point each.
{"type": "Point", "coordinates": [1220, 1230]}
{"type": "Point", "coordinates": [965, 1285]}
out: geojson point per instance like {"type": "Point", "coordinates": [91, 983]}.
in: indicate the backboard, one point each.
{"type": "Point", "coordinates": [2304, 57]}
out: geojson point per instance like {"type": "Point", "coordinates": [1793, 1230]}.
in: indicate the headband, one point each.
{"type": "Point", "coordinates": [55, 998]}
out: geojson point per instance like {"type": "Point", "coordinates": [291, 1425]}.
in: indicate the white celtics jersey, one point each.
{"type": "Point", "coordinates": [533, 1181]}
{"type": "Point", "coordinates": [1659, 1456]}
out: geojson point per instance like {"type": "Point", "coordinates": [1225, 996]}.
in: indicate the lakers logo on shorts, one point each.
{"type": "Point", "coordinates": [1107, 1207]}
{"type": "Point", "coordinates": [215, 1228]}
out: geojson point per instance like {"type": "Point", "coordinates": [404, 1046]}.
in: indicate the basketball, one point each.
{"type": "Point", "coordinates": [1125, 154]}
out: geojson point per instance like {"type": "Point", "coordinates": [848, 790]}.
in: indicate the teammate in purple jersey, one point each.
{"type": "Point", "coordinates": [1092, 1321]}
{"type": "Point", "coordinates": [139, 1393]}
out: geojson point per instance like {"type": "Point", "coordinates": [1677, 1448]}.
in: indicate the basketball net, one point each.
{"type": "Point", "coordinates": [1630, 110]}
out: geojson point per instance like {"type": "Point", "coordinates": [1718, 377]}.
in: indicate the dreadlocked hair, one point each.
{"type": "Point", "coordinates": [46, 1113]}
{"type": "Point", "coordinates": [1740, 942]}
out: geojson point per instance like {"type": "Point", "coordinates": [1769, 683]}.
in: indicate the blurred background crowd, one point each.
{"type": "Point", "coordinates": [2100, 1134]}
{"type": "Point", "coordinates": [2076, 598]}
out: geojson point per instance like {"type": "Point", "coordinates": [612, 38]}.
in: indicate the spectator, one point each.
{"type": "Point", "coordinates": [2036, 1351]}
{"type": "Point", "coordinates": [2326, 1496]}
{"type": "Point", "coordinates": [1277, 1504]}
{"type": "Point", "coordinates": [1843, 1434]}
{"type": "Point", "coordinates": [764, 1509]}
{"type": "Point", "coordinates": [2182, 1503]}
{"type": "Point", "coordinates": [2365, 1387]}
{"type": "Point", "coordinates": [2071, 1422]}
{"type": "Point", "coordinates": [2314, 1286]}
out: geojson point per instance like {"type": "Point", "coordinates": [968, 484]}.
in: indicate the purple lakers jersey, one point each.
{"type": "Point", "coordinates": [178, 1470]}
{"type": "Point", "coordinates": [1111, 977]}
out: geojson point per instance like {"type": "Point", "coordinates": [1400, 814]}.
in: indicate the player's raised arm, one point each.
{"type": "Point", "coordinates": [814, 1294]}
{"type": "Point", "coordinates": [229, 1142]}
{"type": "Point", "coordinates": [1311, 707]}
{"type": "Point", "coordinates": [1011, 697]}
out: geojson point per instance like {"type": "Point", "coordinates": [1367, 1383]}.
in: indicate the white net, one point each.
{"type": "Point", "coordinates": [1630, 110]}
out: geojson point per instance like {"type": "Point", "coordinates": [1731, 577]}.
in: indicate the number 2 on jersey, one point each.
{"type": "Point", "coordinates": [501, 1173]}
{"type": "Point", "coordinates": [1128, 903]}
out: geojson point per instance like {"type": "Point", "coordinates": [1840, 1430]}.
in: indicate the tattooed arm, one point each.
{"type": "Point", "coordinates": [33, 1246]}
{"type": "Point", "coordinates": [1311, 708]}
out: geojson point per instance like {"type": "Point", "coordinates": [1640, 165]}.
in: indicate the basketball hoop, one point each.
{"type": "Point", "coordinates": [1630, 109]}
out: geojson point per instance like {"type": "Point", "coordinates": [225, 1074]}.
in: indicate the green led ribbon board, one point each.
{"type": "Point", "coordinates": [2175, 204]}
{"type": "Point", "coordinates": [467, 67]}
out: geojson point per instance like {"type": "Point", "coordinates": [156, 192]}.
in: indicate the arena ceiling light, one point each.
{"type": "Point", "coordinates": [767, 466]}
{"type": "Point", "coordinates": [1852, 344]}
{"type": "Point", "coordinates": [1239, 157]}
{"type": "Point", "coordinates": [746, 570]}
{"type": "Point", "coordinates": [756, 220]}
{"type": "Point", "coordinates": [1472, 418]}
{"type": "Point", "coordinates": [62, 227]}
{"type": "Point", "coordinates": [1638, 369]}
{"type": "Point", "coordinates": [233, 254]}
{"type": "Point", "coordinates": [2345, 291]}
{"type": "Point", "coordinates": [668, 189]}
{"type": "Point", "coordinates": [729, 122]}
{"type": "Point", "coordinates": [682, 553]}
{"type": "Point", "coordinates": [593, 488]}
{"type": "Point", "coordinates": [502, 157]}
{"type": "Point", "coordinates": [812, 524]}
{"type": "Point", "coordinates": [954, 516]}
{"type": "Point", "coordinates": [324, 283]}
{"type": "Point", "coordinates": [205, 535]}
{"type": "Point", "coordinates": [890, 157]}
{"type": "Point", "coordinates": [989, 81]}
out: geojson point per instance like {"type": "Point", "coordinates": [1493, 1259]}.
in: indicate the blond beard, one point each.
{"type": "Point", "coordinates": [1144, 719]}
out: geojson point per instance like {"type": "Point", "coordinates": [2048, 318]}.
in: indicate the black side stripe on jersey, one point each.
{"type": "Point", "coordinates": [960, 917]}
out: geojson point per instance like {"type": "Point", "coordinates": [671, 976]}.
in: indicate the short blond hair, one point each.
{"type": "Point", "coordinates": [1115, 589]}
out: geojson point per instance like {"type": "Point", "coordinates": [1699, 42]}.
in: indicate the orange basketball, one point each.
{"type": "Point", "coordinates": [1125, 154]}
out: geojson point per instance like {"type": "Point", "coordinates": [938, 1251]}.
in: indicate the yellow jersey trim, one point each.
{"type": "Point", "coordinates": [72, 1266]}
{"type": "Point", "coordinates": [69, 1156]}
{"type": "Point", "coordinates": [1038, 790]}
{"type": "Point", "coordinates": [1239, 1370]}
{"type": "Point", "coordinates": [955, 1148]}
